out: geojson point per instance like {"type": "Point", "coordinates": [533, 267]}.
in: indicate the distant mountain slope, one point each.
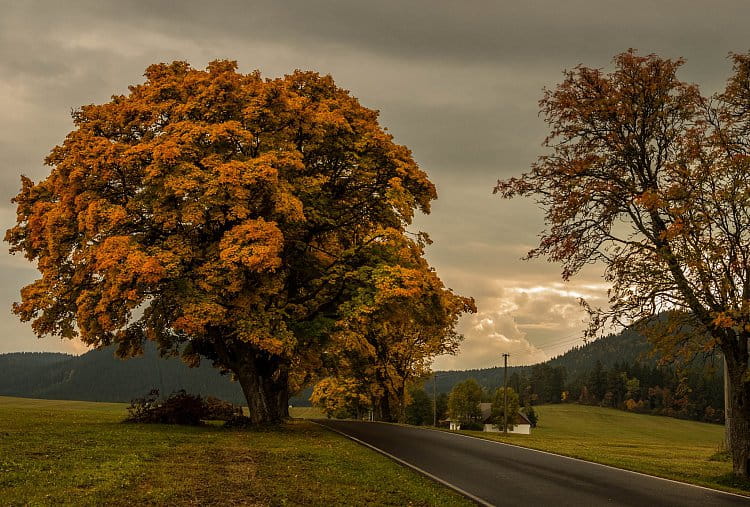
{"type": "Point", "coordinates": [624, 347]}
{"type": "Point", "coordinates": [99, 376]}
{"type": "Point", "coordinates": [486, 377]}
{"type": "Point", "coordinates": [23, 371]}
{"type": "Point", "coordinates": [627, 346]}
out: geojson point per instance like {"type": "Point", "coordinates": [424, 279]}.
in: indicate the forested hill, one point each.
{"type": "Point", "coordinates": [625, 347]}
{"type": "Point", "coordinates": [615, 371]}
{"type": "Point", "coordinates": [99, 376]}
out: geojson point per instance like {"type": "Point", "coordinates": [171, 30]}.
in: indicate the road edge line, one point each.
{"type": "Point", "coordinates": [409, 465]}
{"type": "Point", "coordinates": [587, 461]}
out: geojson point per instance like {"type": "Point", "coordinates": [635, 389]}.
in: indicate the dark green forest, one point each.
{"type": "Point", "coordinates": [99, 376]}
{"type": "Point", "coordinates": [618, 371]}
{"type": "Point", "coordinates": [613, 371]}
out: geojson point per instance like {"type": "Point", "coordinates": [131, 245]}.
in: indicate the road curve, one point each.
{"type": "Point", "coordinates": [499, 474]}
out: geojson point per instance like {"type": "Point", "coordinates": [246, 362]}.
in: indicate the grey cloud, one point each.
{"type": "Point", "coordinates": [457, 82]}
{"type": "Point", "coordinates": [486, 31]}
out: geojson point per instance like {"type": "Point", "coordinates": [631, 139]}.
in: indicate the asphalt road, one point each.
{"type": "Point", "coordinates": [500, 474]}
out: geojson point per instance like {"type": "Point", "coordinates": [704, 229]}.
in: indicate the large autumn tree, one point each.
{"type": "Point", "coordinates": [399, 318]}
{"type": "Point", "coordinates": [218, 214]}
{"type": "Point", "coordinates": [651, 179]}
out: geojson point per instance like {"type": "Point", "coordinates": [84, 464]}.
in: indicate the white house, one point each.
{"type": "Point", "coordinates": [521, 423]}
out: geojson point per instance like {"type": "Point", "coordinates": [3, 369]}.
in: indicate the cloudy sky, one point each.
{"type": "Point", "coordinates": [456, 81]}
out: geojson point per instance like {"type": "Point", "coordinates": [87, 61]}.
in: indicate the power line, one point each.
{"type": "Point", "coordinates": [558, 343]}
{"type": "Point", "coordinates": [555, 344]}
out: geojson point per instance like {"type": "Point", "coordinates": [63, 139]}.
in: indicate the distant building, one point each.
{"type": "Point", "coordinates": [521, 423]}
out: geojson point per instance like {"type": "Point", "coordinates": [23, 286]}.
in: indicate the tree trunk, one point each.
{"type": "Point", "coordinates": [265, 383]}
{"type": "Point", "coordinates": [739, 429]}
{"type": "Point", "coordinates": [727, 407]}
{"type": "Point", "coordinates": [384, 409]}
{"type": "Point", "coordinates": [402, 405]}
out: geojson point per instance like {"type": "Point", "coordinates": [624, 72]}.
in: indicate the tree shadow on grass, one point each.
{"type": "Point", "coordinates": [733, 481]}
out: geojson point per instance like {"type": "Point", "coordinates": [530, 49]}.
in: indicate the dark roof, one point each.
{"type": "Point", "coordinates": [486, 408]}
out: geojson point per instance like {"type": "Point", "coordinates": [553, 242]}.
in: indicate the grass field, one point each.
{"type": "Point", "coordinates": [307, 412]}
{"type": "Point", "coordinates": [661, 446]}
{"type": "Point", "coordinates": [67, 452]}
{"type": "Point", "coordinates": [80, 453]}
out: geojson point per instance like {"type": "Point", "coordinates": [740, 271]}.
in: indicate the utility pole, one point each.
{"type": "Point", "coordinates": [434, 400]}
{"type": "Point", "coordinates": [505, 393]}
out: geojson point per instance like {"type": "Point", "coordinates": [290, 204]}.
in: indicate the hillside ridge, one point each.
{"type": "Point", "coordinates": [98, 375]}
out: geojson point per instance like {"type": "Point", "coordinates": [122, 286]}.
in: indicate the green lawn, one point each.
{"type": "Point", "coordinates": [672, 448]}
{"type": "Point", "coordinates": [307, 413]}
{"type": "Point", "coordinates": [54, 452]}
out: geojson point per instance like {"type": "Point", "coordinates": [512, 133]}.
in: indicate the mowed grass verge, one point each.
{"type": "Point", "coordinates": [662, 446]}
{"type": "Point", "coordinates": [307, 413]}
{"type": "Point", "coordinates": [81, 453]}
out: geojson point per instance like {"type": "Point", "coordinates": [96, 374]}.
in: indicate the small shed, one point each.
{"type": "Point", "coordinates": [453, 424]}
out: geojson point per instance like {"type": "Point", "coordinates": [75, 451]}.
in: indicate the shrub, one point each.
{"type": "Point", "coordinates": [220, 410]}
{"type": "Point", "coordinates": [180, 408]}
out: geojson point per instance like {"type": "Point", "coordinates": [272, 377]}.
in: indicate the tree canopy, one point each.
{"type": "Point", "coordinates": [650, 178]}
{"type": "Point", "coordinates": [463, 401]}
{"type": "Point", "coordinates": [498, 407]}
{"type": "Point", "coordinates": [400, 317]}
{"type": "Point", "coordinates": [219, 214]}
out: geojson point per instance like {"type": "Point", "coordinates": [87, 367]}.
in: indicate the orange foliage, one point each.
{"type": "Point", "coordinates": [214, 209]}
{"type": "Point", "coordinates": [652, 180]}
{"type": "Point", "coordinates": [400, 318]}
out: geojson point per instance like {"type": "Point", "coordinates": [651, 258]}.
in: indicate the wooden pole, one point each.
{"type": "Point", "coordinates": [505, 394]}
